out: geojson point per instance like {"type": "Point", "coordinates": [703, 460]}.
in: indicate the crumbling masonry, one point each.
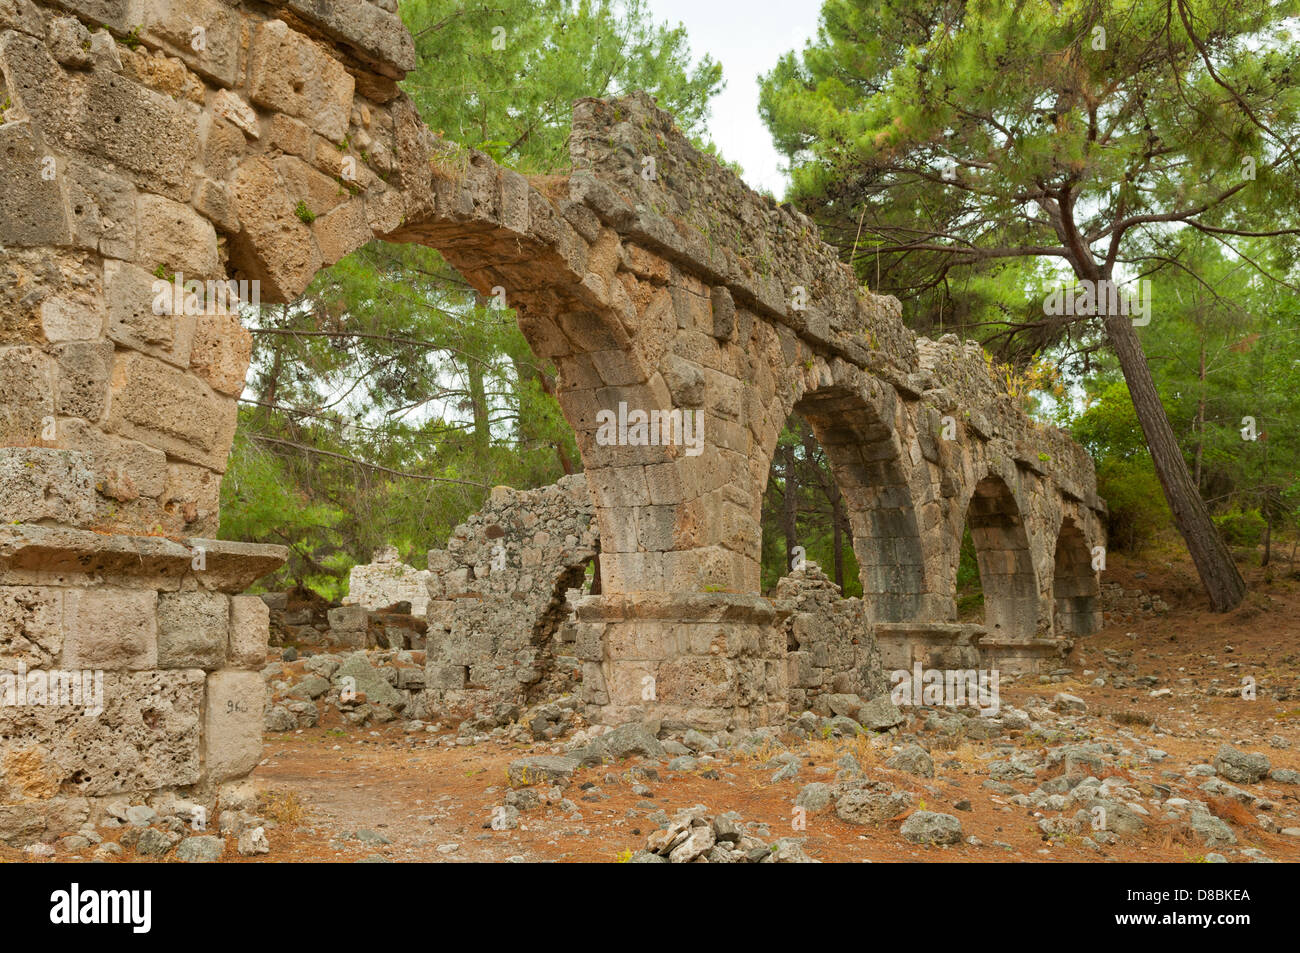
{"type": "Point", "coordinates": [129, 153]}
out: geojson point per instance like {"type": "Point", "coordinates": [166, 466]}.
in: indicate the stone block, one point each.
{"type": "Point", "coordinates": [193, 630]}
{"type": "Point", "coordinates": [221, 352]}
{"type": "Point", "coordinates": [223, 148]}
{"type": "Point", "coordinates": [232, 724]}
{"type": "Point", "coordinates": [177, 238]}
{"type": "Point", "coordinates": [39, 484]}
{"type": "Point", "coordinates": [193, 494]}
{"type": "Point", "coordinates": [110, 629]}
{"type": "Point", "coordinates": [146, 738]}
{"type": "Point", "coordinates": [68, 319]}
{"type": "Point", "coordinates": [342, 231]}
{"type": "Point", "coordinates": [349, 618]}
{"type": "Point", "coordinates": [214, 202]}
{"type": "Point", "coordinates": [33, 206]}
{"type": "Point", "coordinates": [172, 26]}
{"type": "Point", "coordinates": [31, 626]}
{"type": "Point", "coordinates": [275, 247]}
{"type": "Point", "coordinates": [250, 630]}
{"type": "Point", "coordinates": [376, 33]}
{"type": "Point", "coordinates": [69, 42]}
{"type": "Point", "coordinates": [83, 369]}
{"type": "Point", "coordinates": [290, 73]}
{"type": "Point", "coordinates": [172, 410]}
{"type": "Point", "coordinates": [123, 470]}
{"type": "Point", "coordinates": [21, 15]}
{"type": "Point", "coordinates": [290, 136]}
{"type": "Point", "coordinates": [140, 313]}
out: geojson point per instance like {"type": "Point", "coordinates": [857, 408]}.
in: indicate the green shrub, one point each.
{"type": "Point", "coordinates": [1136, 501]}
{"type": "Point", "coordinates": [1240, 527]}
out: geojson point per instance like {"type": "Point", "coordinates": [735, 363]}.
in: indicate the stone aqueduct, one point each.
{"type": "Point", "coordinates": [284, 144]}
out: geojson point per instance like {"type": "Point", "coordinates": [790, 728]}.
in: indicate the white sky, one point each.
{"type": "Point", "coordinates": [747, 37]}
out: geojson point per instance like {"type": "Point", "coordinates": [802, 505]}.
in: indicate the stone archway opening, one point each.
{"type": "Point", "coordinates": [1075, 589]}
{"type": "Point", "coordinates": [861, 448]}
{"type": "Point", "coordinates": [806, 513]}
{"type": "Point", "coordinates": [1006, 569]}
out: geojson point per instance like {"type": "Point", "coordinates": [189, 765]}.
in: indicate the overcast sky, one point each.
{"type": "Point", "coordinates": [747, 37]}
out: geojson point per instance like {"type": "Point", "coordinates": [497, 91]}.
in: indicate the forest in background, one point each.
{"type": "Point", "coordinates": [383, 404]}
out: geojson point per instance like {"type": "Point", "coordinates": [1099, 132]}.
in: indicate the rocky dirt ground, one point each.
{"type": "Point", "coordinates": [1140, 747]}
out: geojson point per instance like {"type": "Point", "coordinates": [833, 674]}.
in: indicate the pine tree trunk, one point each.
{"type": "Point", "coordinates": [1219, 575]}
{"type": "Point", "coordinates": [1200, 424]}
{"type": "Point", "coordinates": [837, 520]}
{"type": "Point", "coordinates": [790, 507]}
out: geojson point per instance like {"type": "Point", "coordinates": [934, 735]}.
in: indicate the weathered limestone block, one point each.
{"type": "Point", "coordinates": [190, 499]}
{"type": "Point", "coordinates": [146, 737]}
{"type": "Point", "coordinates": [177, 238]}
{"type": "Point", "coordinates": [70, 42]}
{"type": "Point", "coordinates": [132, 320]}
{"type": "Point", "coordinates": [250, 631]}
{"type": "Point", "coordinates": [26, 395]}
{"type": "Point", "coordinates": [232, 724]}
{"type": "Point", "coordinates": [377, 34]}
{"type": "Point", "coordinates": [82, 373]}
{"type": "Point", "coordinates": [341, 230]}
{"type": "Point", "coordinates": [21, 15]}
{"type": "Point", "coordinates": [171, 24]}
{"type": "Point", "coordinates": [193, 630]}
{"type": "Point", "coordinates": [349, 625]}
{"type": "Point", "coordinates": [31, 626]}
{"type": "Point", "coordinates": [71, 319]}
{"type": "Point", "coordinates": [214, 202]}
{"type": "Point", "coordinates": [275, 246]}
{"type": "Point", "coordinates": [221, 353]}
{"type": "Point", "coordinates": [40, 484]}
{"type": "Point", "coordinates": [110, 629]}
{"type": "Point", "coordinates": [289, 73]}
{"type": "Point", "coordinates": [167, 408]}
{"type": "Point", "coordinates": [33, 208]}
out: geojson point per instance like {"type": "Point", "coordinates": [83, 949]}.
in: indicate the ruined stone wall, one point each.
{"type": "Point", "coordinates": [386, 581]}
{"type": "Point", "coordinates": [499, 599]}
{"type": "Point", "coordinates": [830, 640]}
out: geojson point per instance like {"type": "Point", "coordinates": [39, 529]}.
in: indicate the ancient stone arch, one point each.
{"type": "Point", "coordinates": [1074, 583]}
{"type": "Point", "coordinates": [129, 156]}
{"type": "Point", "coordinates": [1006, 568]}
{"type": "Point", "coordinates": [857, 428]}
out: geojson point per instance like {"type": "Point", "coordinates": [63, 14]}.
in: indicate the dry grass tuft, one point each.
{"type": "Point", "coordinates": [283, 807]}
